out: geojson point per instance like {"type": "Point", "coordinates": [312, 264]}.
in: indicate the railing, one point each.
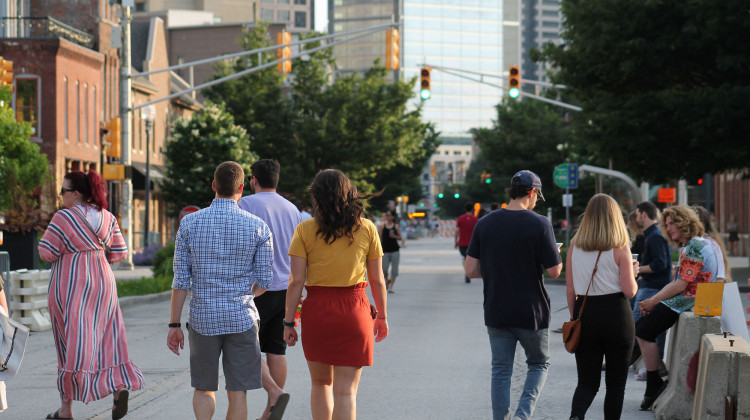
{"type": "Point", "coordinates": [43, 27]}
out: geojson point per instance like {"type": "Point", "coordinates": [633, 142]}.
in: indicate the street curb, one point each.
{"type": "Point", "coordinates": [128, 301]}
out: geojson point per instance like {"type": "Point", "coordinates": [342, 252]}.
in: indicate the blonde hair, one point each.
{"type": "Point", "coordinates": [602, 226]}
{"type": "Point", "coordinates": [686, 221]}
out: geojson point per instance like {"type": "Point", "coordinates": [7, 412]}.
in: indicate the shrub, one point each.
{"type": "Point", "coordinates": [146, 256]}
{"type": "Point", "coordinates": [162, 262]}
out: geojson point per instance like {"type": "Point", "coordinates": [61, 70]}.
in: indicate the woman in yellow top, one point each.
{"type": "Point", "coordinates": [338, 251]}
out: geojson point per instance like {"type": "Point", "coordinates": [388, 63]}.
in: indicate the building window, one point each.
{"type": "Point", "coordinates": [140, 7]}
{"type": "Point", "coordinates": [300, 19]}
{"type": "Point", "coordinates": [266, 14]}
{"type": "Point", "coordinates": [302, 2]}
{"type": "Point", "coordinates": [282, 2]}
{"type": "Point", "coordinates": [28, 103]}
{"type": "Point", "coordinates": [283, 15]}
{"type": "Point", "coordinates": [267, 1]}
{"type": "Point", "coordinates": [66, 108]}
{"type": "Point", "coordinates": [96, 119]}
{"type": "Point", "coordinates": [86, 113]}
{"type": "Point", "coordinates": [78, 112]}
{"type": "Point", "coordinates": [456, 152]}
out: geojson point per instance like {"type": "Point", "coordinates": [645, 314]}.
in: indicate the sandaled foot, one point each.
{"type": "Point", "coordinates": [56, 415]}
{"type": "Point", "coordinates": [120, 408]}
{"type": "Point", "coordinates": [277, 411]}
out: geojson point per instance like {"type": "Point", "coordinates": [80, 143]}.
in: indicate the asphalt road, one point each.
{"type": "Point", "coordinates": [435, 364]}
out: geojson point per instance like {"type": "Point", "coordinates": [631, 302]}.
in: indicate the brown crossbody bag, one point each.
{"type": "Point", "coordinates": [571, 330]}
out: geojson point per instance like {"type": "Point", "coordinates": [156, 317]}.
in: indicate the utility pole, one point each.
{"type": "Point", "coordinates": [127, 185]}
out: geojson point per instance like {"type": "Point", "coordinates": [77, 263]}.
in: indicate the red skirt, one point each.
{"type": "Point", "coordinates": [337, 326]}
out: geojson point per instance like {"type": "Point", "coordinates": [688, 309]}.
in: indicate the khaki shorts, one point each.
{"type": "Point", "coordinates": [240, 356]}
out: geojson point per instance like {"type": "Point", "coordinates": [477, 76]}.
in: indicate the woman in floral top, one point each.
{"type": "Point", "coordinates": [698, 263]}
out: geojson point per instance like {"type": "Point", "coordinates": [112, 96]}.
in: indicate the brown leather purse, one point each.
{"type": "Point", "coordinates": [571, 330]}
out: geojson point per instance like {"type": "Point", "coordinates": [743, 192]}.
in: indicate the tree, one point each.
{"type": "Point", "coordinates": [664, 85]}
{"type": "Point", "coordinates": [211, 137]}
{"type": "Point", "coordinates": [358, 123]}
{"type": "Point", "coordinates": [23, 169]}
{"type": "Point", "coordinates": [531, 135]}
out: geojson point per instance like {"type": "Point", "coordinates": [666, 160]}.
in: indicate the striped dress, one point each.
{"type": "Point", "coordinates": [87, 325]}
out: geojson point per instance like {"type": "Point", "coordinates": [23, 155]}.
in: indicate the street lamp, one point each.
{"type": "Point", "coordinates": [148, 114]}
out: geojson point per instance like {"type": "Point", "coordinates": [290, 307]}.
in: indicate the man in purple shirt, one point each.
{"type": "Point", "coordinates": [282, 217]}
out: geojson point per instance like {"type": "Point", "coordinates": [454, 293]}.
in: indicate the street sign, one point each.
{"type": "Point", "coordinates": [187, 210]}
{"type": "Point", "coordinates": [567, 200]}
{"type": "Point", "coordinates": [665, 195]}
{"type": "Point", "coordinates": [566, 175]}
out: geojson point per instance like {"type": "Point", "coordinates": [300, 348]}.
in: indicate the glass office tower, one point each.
{"type": "Point", "coordinates": [459, 34]}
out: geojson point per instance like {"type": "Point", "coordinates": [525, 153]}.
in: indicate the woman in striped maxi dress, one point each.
{"type": "Point", "coordinates": [87, 325]}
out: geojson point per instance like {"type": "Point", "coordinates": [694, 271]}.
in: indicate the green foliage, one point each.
{"type": "Point", "coordinates": [663, 84]}
{"type": "Point", "coordinates": [163, 265]}
{"type": "Point", "coordinates": [196, 147]}
{"type": "Point", "coordinates": [144, 286]}
{"type": "Point", "coordinates": [23, 168]}
{"type": "Point", "coordinates": [531, 135]}
{"type": "Point", "coordinates": [357, 123]}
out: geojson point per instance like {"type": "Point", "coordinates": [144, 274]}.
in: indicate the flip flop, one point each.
{"type": "Point", "coordinates": [121, 405]}
{"type": "Point", "coordinates": [277, 411]}
{"type": "Point", "coordinates": [56, 415]}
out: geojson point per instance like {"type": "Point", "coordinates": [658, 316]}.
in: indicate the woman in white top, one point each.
{"type": "Point", "coordinates": [607, 329]}
{"type": "Point", "coordinates": [717, 244]}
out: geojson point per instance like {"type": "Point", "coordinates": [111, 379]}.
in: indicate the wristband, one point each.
{"type": "Point", "coordinates": [382, 317]}
{"type": "Point", "coordinates": [175, 325]}
{"type": "Point", "coordinates": [287, 324]}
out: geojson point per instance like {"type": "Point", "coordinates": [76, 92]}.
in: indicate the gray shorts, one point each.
{"type": "Point", "coordinates": [240, 356]}
{"type": "Point", "coordinates": [391, 258]}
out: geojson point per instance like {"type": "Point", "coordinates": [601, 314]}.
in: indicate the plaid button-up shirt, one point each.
{"type": "Point", "coordinates": [220, 252]}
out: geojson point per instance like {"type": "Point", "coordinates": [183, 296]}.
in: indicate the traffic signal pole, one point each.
{"type": "Point", "coordinates": [126, 215]}
{"type": "Point", "coordinates": [463, 74]}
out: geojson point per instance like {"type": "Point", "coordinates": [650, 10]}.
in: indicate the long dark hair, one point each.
{"type": "Point", "coordinates": [338, 207]}
{"type": "Point", "coordinates": [91, 187]}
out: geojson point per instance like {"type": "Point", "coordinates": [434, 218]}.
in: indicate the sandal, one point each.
{"type": "Point", "coordinates": [648, 402]}
{"type": "Point", "coordinates": [121, 405]}
{"type": "Point", "coordinates": [56, 415]}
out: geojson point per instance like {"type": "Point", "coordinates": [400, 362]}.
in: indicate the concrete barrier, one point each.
{"type": "Point", "coordinates": [676, 402]}
{"type": "Point", "coordinates": [29, 303]}
{"type": "Point", "coordinates": [721, 361]}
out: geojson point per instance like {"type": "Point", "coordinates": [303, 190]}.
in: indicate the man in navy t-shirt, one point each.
{"type": "Point", "coordinates": [509, 250]}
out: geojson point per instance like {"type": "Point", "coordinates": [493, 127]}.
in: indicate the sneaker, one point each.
{"type": "Point", "coordinates": [641, 375]}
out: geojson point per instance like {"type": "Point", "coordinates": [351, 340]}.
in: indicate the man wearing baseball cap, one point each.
{"type": "Point", "coordinates": [512, 245]}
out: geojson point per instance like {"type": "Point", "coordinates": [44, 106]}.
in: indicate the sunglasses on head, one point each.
{"type": "Point", "coordinates": [63, 190]}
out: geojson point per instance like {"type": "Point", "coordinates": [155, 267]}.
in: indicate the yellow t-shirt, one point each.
{"type": "Point", "coordinates": [339, 264]}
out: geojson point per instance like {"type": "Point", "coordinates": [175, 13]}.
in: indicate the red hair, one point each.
{"type": "Point", "coordinates": [90, 185]}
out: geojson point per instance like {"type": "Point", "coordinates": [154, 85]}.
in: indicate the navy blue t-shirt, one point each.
{"type": "Point", "coordinates": [513, 248]}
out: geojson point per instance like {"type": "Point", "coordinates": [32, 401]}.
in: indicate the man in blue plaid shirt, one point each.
{"type": "Point", "coordinates": [223, 254]}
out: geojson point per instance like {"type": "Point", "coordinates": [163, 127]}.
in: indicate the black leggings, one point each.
{"type": "Point", "coordinates": [607, 333]}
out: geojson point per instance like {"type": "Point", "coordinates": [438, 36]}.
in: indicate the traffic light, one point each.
{"type": "Point", "coordinates": [284, 52]}
{"type": "Point", "coordinates": [424, 83]}
{"type": "Point", "coordinates": [113, 138]}
{"type": "Point", "coordinates": [486, 178]}
{"type": "Point", "coordinates": [392, 49]}
{"type": "Point", "coordinates": [6, 73]}
{"type": "Point", "coordinates": [514, 81]}
{"type": "Point", "coordinates": [441, 195]}
{"type": "Point", "coordinates": [457, 194]}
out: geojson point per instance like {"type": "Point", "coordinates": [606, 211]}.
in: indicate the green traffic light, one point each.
{"type": "Point", "coordinates": [456, 195]}
{"type": "Point", "coordinates": [514, 92]}
{"type": "Point", "coordinates": [421, 204]}
{"type": "Point", "coordinates": [425, 94]}
{"type": "Point", "coordinates": [440, 195]}
{"type": "Point", "coordinates": [488, 181]}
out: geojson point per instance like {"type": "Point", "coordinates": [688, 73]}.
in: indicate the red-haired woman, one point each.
{"type": "Point", "coordinates": [87, 325]}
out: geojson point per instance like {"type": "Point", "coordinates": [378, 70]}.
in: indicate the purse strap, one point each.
{"type": "Point", "coordinates": [91, 228]}
{"type": "Point", "coordinates": [4, 364]}
{"type": "Point", "coordinates": [593, 273]}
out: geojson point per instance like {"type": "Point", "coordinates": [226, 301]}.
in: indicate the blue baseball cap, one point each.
{"type": "Point", "coordinates": [527, 179]}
